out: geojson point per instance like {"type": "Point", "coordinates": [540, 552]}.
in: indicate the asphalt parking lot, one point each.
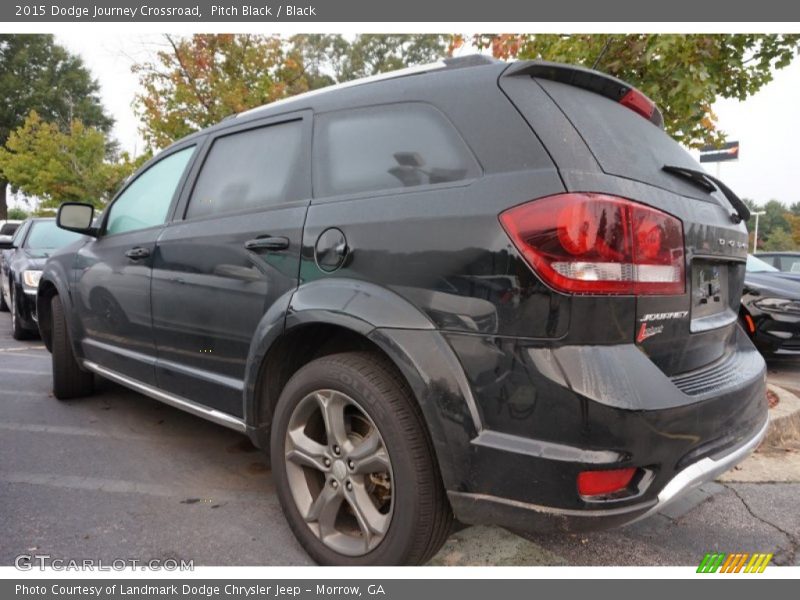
{"type": "Point", "coordinates": [121, 476]}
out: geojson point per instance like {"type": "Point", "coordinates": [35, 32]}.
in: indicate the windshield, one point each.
{"type": "Point", "coordinates": [46, 235]}
{"type": "Point", "coordinates": [756, 265]}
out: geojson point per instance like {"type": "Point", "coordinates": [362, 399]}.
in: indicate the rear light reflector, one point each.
{"type": "Point", "coordinates": [603, 483]}
{"type": "Point", "coordinates": [587, 243]}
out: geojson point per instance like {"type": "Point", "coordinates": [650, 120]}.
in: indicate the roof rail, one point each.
{"type": "Point", "coordinates": [471, 60]}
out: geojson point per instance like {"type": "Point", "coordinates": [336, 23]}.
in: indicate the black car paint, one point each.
{"type": "Point", "coordinates": [774, 329]}
{"type": "Point", "coordinates": [521, 387]}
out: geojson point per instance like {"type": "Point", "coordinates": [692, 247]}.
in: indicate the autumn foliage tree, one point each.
{"type": "Point", "coordinates": [197, 81]}
{"type": "Point", "coordinates": [683, 74]}
{"type": "Point", "coordinates": [59, 165]}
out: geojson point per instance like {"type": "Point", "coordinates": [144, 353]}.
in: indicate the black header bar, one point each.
{"type": "Point", "coordinates": [438, 11]}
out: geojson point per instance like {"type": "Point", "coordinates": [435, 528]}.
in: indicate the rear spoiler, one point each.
{"type": "Point", "coordinates": [594, 81]}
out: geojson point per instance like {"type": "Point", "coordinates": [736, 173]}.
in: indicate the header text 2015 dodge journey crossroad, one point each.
{"type": "Point", "coordinates": [490, 291]}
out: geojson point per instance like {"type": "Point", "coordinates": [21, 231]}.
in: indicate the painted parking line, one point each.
{"type": "Point", "coordinates": [25, 393]}
{"type": "Point", "coordinates": [23, 348]}
{"type": "Point", "coordinates": [97, 433]}
{"type": "Point", "coordinates": [10, 356]}
{"type": "Point", "coordinates": [123, 486]}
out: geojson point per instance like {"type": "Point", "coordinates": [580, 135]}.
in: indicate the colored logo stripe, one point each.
{"type": "Point", "coordinates": [734, 563]}
{"type": "Point", "coordinates": [711, 562]}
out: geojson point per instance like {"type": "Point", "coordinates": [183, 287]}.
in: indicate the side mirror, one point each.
{"type": "Point", "coordinates": [77, 217]}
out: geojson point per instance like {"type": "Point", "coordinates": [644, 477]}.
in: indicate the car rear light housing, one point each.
{"type": "Point", "coordinates": [590, 243]}
{"type": "Point", "coordinates": [604, 483]}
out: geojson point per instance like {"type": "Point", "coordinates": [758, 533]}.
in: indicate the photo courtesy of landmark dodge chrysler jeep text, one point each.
{"type": "Point", "coordinates": [477, 290]}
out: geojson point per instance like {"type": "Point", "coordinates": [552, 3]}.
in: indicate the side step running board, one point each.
{"type": "Point", "coordinates": [189, 406]}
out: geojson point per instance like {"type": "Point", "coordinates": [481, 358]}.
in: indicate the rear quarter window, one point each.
{"type": "Point", "coordinates": [388, 147]}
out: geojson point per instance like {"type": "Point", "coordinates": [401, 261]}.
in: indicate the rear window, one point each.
{"type": "Point", "coordinates": [388, 147]}
{"type": "Point", "coordinates": [622, 141]}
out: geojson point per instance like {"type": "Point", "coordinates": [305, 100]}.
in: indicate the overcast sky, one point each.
{"type": "Point", "coordinates": [767, 125]}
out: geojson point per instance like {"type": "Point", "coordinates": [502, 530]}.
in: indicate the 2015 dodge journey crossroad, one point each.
{"type": "Point", "coordinates": [493, 292]}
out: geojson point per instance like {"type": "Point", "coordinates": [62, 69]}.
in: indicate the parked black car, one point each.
{"type": "Point", "coordinates": [492, 291]}
{"type": "Point", "coordinates": [21, 262]}
{"type": "Point", "coordinates": [786, 262]}
{"type": "Point", "coordinates": [770, 309]}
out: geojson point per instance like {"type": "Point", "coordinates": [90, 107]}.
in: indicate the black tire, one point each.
{"type": "Point", "coordinates": [421, 517]}
{"type": "Point", "coordinates": [69, 379]}
{"type": "Point", "coordinates": [18, 332]}
{"type": "Point", "coordinates": [3, 303]}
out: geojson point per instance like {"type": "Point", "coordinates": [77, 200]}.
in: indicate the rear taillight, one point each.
{"type": "Point", "coordinates": [587, 243]}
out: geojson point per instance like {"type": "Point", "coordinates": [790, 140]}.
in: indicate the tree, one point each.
{"type": "Point", "coordinates": [779, 239]}
{"type": "Point", "coordinates": [773, 219]}
{"type": "Point", "coordinates": [38, 74]}
{"type": "Point", "coordinates": [329, 59]}
{"type": "Point", "coordinates": [794, 208]}
{"type": "Point", "coordinates": [198, 81]}
{"type": "Point", "coordinates": [41, 160]}
{"type": "Point", "coordinates": [17, 214]}
{"type": "Point", "coordinates": [794, 228]}
{"type": "Point", "coordinates": [683, 74]}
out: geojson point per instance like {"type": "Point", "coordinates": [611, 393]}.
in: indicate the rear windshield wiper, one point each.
{"type": "Point", "coordinates": [711, 184]}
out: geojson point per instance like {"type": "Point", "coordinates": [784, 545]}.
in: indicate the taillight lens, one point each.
{"type": "Point", "coordinates": [588, 243]}
{"type": "Point", "coordinates": [602, 483]}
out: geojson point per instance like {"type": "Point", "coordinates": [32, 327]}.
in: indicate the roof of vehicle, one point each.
{"type": "Point", "coordinates": [359, 90]}
{"type": "Point", "coordinates": [778, 253]}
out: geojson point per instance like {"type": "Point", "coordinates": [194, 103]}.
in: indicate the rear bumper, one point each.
{"type": "Point", "coordinates": [487, 509]}
{"type": "Point", "coordinates": [547, 414]}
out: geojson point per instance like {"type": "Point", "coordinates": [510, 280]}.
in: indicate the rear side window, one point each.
{"type": "Point", "coordinates": [770, 260]}
{"type": "Point", "coordinates": [388, 147]}
{"type": "Point", "coordinates": [252, 169]}
{"type": "Point", "coordinates": [790, 264]}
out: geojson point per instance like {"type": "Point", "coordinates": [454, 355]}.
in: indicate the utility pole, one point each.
{"type": "Point", "coordinates": [755, 232]}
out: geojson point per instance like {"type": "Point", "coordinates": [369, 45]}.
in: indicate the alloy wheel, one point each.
{"type": "Point", "coordinates": [339, 472]}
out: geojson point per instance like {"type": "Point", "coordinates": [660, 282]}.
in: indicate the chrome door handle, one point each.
{"type": "Point", "coordinates": [137, 253]}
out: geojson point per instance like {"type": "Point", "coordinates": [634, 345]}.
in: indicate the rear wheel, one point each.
{"type": "Point", "coordinates": [69, 380]}
{"type": "Point", "coordinates": [18, 332]}
{"type": "Point", "coordinates": [354, 467]}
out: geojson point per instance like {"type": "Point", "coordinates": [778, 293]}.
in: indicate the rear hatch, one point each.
{"type": "Point", "coordinates": [602, 142]}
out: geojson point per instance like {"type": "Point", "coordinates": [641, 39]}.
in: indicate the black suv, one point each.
{"type": "Point", "coordinates": [492, 291]}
